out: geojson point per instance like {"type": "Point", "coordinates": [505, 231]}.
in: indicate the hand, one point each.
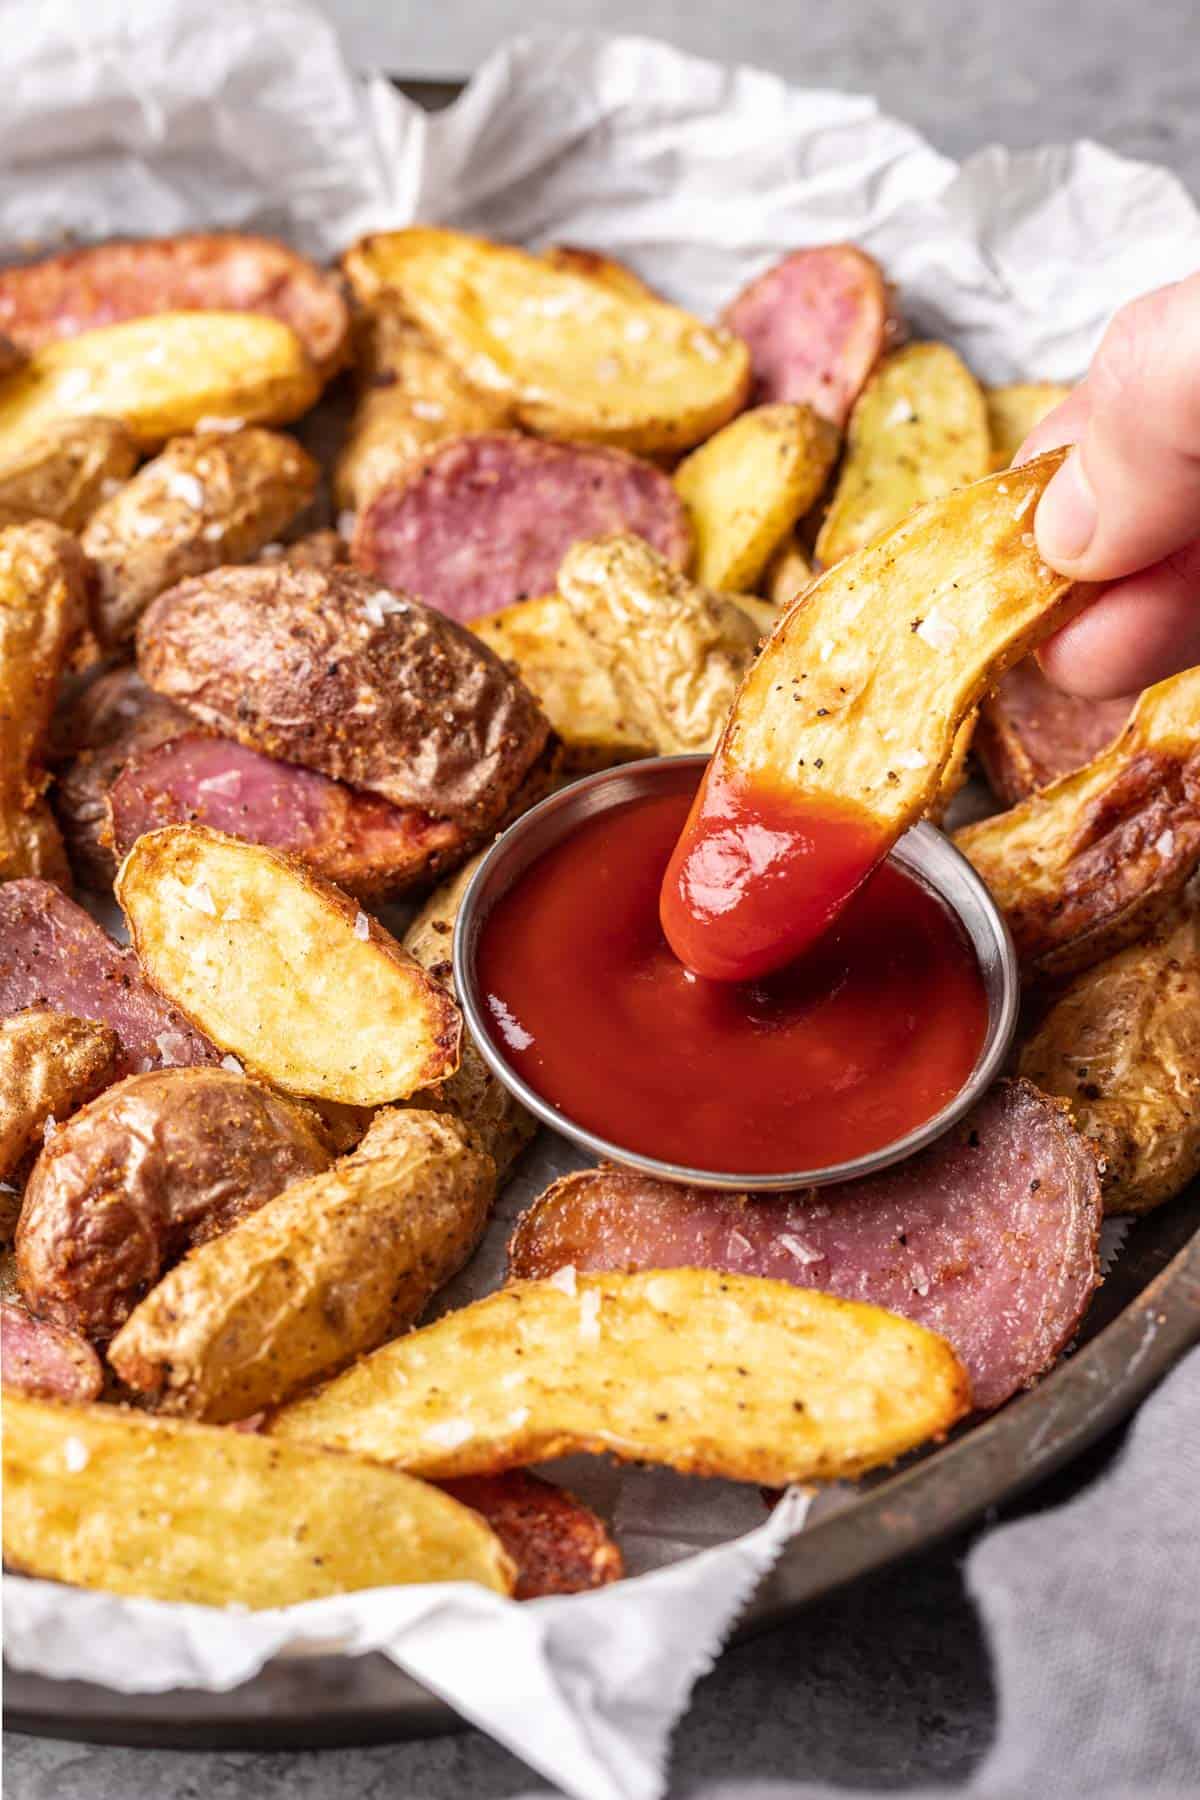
{"type": "Point", "coordinates": [1124, 509]}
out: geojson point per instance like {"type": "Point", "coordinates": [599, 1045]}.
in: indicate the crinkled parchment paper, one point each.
{"type": "Point", "coordinates": [160, 117]}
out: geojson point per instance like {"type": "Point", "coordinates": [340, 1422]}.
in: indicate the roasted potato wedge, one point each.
{"type": "Point", "coordinates": [204, 501]}
{"type": "Point", "coordinates": [918, 430]}
{"type": "Point", "coordinates": [1030, 732]}
{"type": "Point", "coordinates": [747, 486]}
{"type": "Point", "coordinates": [676, 653]}
{"type": "Point", "coordinates": [1012, 413]}
{"type": "Point", "coordinates": [65, 474]}
{"type": "Point", "coordinates": [496, 1122]}
{"type": "Point", "coordinates": [100, 1497]}
{"type": "Point", "coordinates": [43, 610]}
{"type": "Point", "coordinates": [44, 1361]}
{"type": "Point", "coordinates": [324, 1272]}
{"type": "Point", "coordinates": [1088, 863]}
{"type": "Point", "coordinates": [50, 1063]}
{"type": "Point", "coordinates": [557, 1543]}
{"type": "Point", "coordinates": [282, 970]}
{"type": "Point", "coordinates": [1122, 1045]}
{"type": "Point", "coordinates": [706, 1373]}
{"type": "Point", "coordinates": [161, 376]}
{"type": "Point", "coordinates": [574, 356]}
{"type": "Point", "coordinates": [787, 574]}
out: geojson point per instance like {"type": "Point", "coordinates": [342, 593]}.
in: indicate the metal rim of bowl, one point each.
{"type": "Point", "coordinates": [923, 852]}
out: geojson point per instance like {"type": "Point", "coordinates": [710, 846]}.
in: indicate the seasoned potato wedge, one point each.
{"type": "Point", "coordinates": [489, 1114]}
{"type": "Point", "coordinates": [65, 474]}
{"type": "Point", "coordinates": [282, 970]}
{"type": "Point", "coordinates": [325, 1271]}
{"type": "Point", "coordinates": [787, 574]}
{"type": "Point", "coordinates": [50, 1063]}
{"type": "Point", "coordinates": [205, 501]}
{"type": "Point", "coordinates": [676, 652]}
{"type": "Point", "coordinates": [574, 356]}
{"type": "Point", "coordinates": [1122, 1044]}
{"type": "Point", "coordinates": [746, 487]}
{"type": "Point", "coordinates": [1088, 863]}
{"type": "Point", "coordinates": [1012, 413]}
{"type": "Point", "coordinates": [918, 430]}
{"type": "Point", "coordinates": [161, 376]}
{"type": "Point", "coordinates": [100, 1497]}
{"type": "Point", "coordinates": [557, 1543]}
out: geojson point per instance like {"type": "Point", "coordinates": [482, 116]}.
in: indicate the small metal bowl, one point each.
{"type": "Point", "coordinates": [922, 852]}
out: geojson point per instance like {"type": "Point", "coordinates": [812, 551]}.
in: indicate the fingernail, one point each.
{"type": "Point", "coordinates": [1066, 516]}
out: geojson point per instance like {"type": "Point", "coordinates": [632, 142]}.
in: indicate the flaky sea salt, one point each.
{"type": "Point", "coordinates": [214, 422]}
{"type": "Point", "coordinates": [902, 413]}
{"type": "Point", "coordinates": [589, 1316]}
{"type": "Point", "coordinates": [1165, 844]}
{"type": "Point", "coordinates": [181, 484]}
{"type": "Point", "coordinates": [172, 1048]}
{"type": "Point", "coordinates": [939, 634]}
{"type": "Point", "coordinates": [911, 759]}
{"type": "Point", "coordinates": [232, 1064]}
{"type": "Point", "coordinates": [49, 1127]}
{"type": "Point", "coordinates": [563, 1279]}
{"type": "Point", "coordinates": [1024, 506]}
{"type": "Point", "coordinates": [797, 1248]}
{"type": "Point", "coordinates": [637, 330]}
{"type": "Point", "coordinates": [449, 1433]}
{"type": "Point", "coordinates": [362, 926]}
{"type": "Point", "coordinates": [228, 783]}
{"type": "Point", "coordinates": [76, 1455]}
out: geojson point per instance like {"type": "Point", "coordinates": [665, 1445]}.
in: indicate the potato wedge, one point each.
{"type": "Point", "coordinates": [50, 1063]}
{"type": "Point", "coordinates": [282, 970]}
{"type": "Point", "coordinates": [575, 357]}
{"type": "Point", "coordinates": [676, 652]}
{"type": "Point", "coordinates": [1087, 864]}
{"type": "Point", "coordinates": [66, 473]}
{"type": "Point", "coordinates": [204, 501]}
{"type": "Point", "coordinates": [557, 1543]}
{"type": "Point", "coordinates": [325, 1271]}
{"type": "Point", "coordinates": [559, 664]}
{"type": "Point", "coordinates": [161, 376]}
{"type": "Point", "coordinates": [1013, 411]}
{"type": "Point", "coordinates": [100, 1497]}
{"type": "Point", "coordinates": [787, 574]}
{"type": "Point", "coordinates": [747, 486]}
{"type": "Point", "coordinates": [493, 1120]}
{"type": "Point", "coordinates": [707, 1373]}
{"type": "Point", "coordinates": [1030, 732]}
{"type": "Point", "coordinates": [1122, 1045]}
{"type": "Point", "coordinates": [918, 431]}
{"type": "Point", "coordinates": [44, 1361]}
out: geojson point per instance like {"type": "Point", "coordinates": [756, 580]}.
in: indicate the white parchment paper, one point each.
{"type": "Point", "coordinates": [164, 116]}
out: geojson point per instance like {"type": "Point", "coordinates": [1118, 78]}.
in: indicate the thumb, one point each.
{"type": "Point", "coordinates": [1129, 494]}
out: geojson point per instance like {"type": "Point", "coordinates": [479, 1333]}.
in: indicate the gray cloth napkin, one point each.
{"type": "Point", "coordinates": [1092, 1614]}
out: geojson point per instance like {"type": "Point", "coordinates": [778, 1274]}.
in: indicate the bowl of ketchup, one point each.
{"type": "Point", "coordinates": [853, 1055]}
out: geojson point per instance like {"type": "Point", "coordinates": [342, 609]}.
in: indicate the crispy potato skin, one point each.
{"type": "Point", "coordinates": [329, 1269]}
{"type": "Point", "coordinates": [676, 653]}
{"type": "Point", "coordinates": [204, 501]}
{"type": "Point", "coordinates": [284, 970]}
{"type": "Point", "coordinates": [1122, 1045]}
{"type": "Point", "coordinates": [66, 474]}
{"type": "Point", "coordinates": [557, 1543]}
{"type": "Point", "coordinates": [918, 430]}
{"type": "Point", "coordinates": [159, 1163]}
{"type": "Point", "coordinates": [102, 1497]}
{"type": "Point", "coordinates": [1030, 732]}
{"type": "Point", "coordinates": [647, 1367]}
{"type": "Point", "coordinates": [493, 1120]}
{"type": "Point", "coordinates": [575, 357]}
{"type": "Point", "coordinates": [50, 1063]}
{"type": "Point", "coordinates": [747, 486]}
{"type": "Point", "coordinates": [160, 377]}
{"type": "Point", "coordinates": [44, 1361]}
{"type": "Point", "coordinates": [329, 670]}
{"type": "Point", "coordinates": [43, 609]}
{"type": "Point", "coordinates": [1013, 411]}
{"type": "Point", "coordinates": [60, 296]}
{"type": "Point", "coordinates": [1088, 863]}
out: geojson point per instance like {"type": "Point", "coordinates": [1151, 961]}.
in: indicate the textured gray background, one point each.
{"type": "Point", "coordinates": [887, 1686]}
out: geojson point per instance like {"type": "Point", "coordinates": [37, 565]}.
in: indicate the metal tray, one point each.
{"type": "Point", "coordinates": [1145, 1317]}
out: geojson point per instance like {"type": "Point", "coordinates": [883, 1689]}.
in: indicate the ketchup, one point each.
{"type": "Point", "coordinates": [847, 1048]}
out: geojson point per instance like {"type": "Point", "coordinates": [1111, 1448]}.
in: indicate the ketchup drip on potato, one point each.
{"type": "Point", "coordinates": [847, 1048]}
{"type": "Point", "coordinates": [758, 875]}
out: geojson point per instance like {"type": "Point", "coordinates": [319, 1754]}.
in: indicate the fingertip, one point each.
{"type": "Point", "coordinates": [1136, 632]}
{"type": "Point", "coordinates": [1066, 518]}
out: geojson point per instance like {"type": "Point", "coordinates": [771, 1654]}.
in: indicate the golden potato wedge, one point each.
{"type": "Point", "coordinates": [747, 486]}
{"type": "Point", "coordinates": [707, 1373]}
{"type": "Point", "coordinates": [101, 1497]}
{"type": "Point", "coordinates": [1087, 864]}
{"type": "Point", "coordinates": [787, 574]}
{"type": "Point", "coordinates": [1122, 1045]}
{"type": "Point", "coordinates": [282, 970]}
{"type": "Point", "coordinates": [493, 1120]}
{"type": "Point", "coordinates": [1012, 413]}
{"type": "Point", "coordinates": [204, 501]}
{"type": "Point", "coordinates": [322, 1273]}
{"type": "Point", "coordinates": [50, 1063]}
{"type": "Point", "coordinates": [575, 357]}
{"type": "Point", "coordinates": [160, 376]}
{"type": "Point", "coordinates": [676, 652]}
{"type": "Point", "coordinates": [575, 259]}
{"type": "Point", "coordinates": [66, 473]}
{"type": "Point", "coordinates": [918, 430]}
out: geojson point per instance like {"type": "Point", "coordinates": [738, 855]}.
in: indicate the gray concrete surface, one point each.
{"type": "Point", "coordinates": [888, 1686]}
